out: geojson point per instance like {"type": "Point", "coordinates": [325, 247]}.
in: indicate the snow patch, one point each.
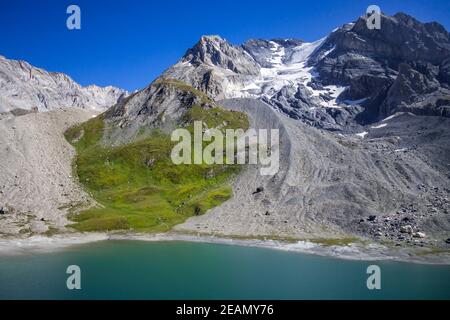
{"type": "Point", "coordinates": [287, 71]}
{"type": "Point", "coordinates": [380, 126]}
{"type": "Point", "coordinates": [362, 134]}
{"type": "Point", "coordinates": [326, 53]}
{"type": "Point", "coordinates": [393, 116]}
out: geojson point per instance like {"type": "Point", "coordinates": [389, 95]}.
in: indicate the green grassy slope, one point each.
{"type": "Point", "coordinates": [138, 185]}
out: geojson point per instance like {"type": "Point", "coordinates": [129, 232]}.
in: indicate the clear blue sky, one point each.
{"type": "Point", "coordinates": [129, 43]}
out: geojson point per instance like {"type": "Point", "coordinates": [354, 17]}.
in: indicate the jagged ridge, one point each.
{"type": "Point", "coordinates": [23, 86]}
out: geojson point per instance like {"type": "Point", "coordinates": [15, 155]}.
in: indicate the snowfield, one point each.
{"type": "Point", "coordinates": [287, 70]}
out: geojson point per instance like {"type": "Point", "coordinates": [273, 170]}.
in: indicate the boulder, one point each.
{"type": "Point", "coordinates": [407, 229]}
{"type": "Point", "coordinates": [420, 235]}
{"type": "Point", "coordinates": [259, 190]}
{"type": "Point", "coordinates": [150, 162]}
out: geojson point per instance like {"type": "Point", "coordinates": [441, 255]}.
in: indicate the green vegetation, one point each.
{"type": "Point", "coordinates": [137, 184]}
{"type": "Point", "coordinates": [433, 251]}
{"type": "Point", "coordinates": [86, 135]}
{"type": "Point", "coordinates": [185, 87]}
{"type": "Point", "coordinates": [217, 118]}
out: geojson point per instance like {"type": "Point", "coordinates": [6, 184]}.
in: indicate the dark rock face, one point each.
{"type": "Point", "coordinates": [400, 39]}
{"type": "Point", "coordinates": [259, 190]}
{"type": "Point", "coordinates": [371, 90]}
{"type": "Point", "coordinates": [414, 91]}
{"type": "Point", "coordinates": [404, 66]}
{"type": "Point", "coordinates": [161, 105]}
{"type": "Point", "coordinates": [444, 73]}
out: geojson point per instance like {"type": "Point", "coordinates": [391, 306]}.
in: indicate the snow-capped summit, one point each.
{"type": "Point", "coordinates": [277, 71]}
{"type": "Point", "coordinates": [352, 75]}
{"type": "Point", "coordinates": [23, 86]}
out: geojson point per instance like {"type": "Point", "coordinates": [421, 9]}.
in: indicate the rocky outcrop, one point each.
{"type": "Point", "coordinates": [165, 100]}
{"type": "Point", "coordinates": [400, 39]}
{"type": "Point", "coordinates": [161, 105]}
{"type": "Point", "coordinates": [215, 51]}
{"type": "Point", "coordinates": [214, 66]}
{"type": "Point", "coordinates": [23, 86]}
{"type": "Point", "coordinates": [416, 92]}
{"type": "Point", "coordinates": [401, 67]}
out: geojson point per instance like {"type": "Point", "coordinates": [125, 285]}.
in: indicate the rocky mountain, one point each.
{"type": "Point", "coordinates": [161, 105]}
{"type": "Point", "coordinates": [23, 86]}
{"type": "Point", "coordinates": [352, 77]}
{"type": "Point", "coordinates": [215, 67]}
{"type": "Point", "coordinates": [401, 67]}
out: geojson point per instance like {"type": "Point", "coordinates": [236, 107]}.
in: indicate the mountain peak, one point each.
{"type": "Point", "coordinates": [211, 38]}
{"type": "Point", "coordinates": [213, 50]}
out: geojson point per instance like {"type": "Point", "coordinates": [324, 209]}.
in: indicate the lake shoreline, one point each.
{"type": "Point", "coordinates": [356, 251]}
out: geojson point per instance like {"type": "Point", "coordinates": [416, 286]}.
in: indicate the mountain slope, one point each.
{"type": "Point", "coordinates": [23, 86]}
{"type": "Point", "coordinates": [36, 183]}
{"type": "Point", "coordinates": [333, 185]}
{"type": "Point", "coordinates": [124, 160]}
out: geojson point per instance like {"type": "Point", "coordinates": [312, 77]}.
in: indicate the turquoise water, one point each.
{"type": "Point", "coordinates": [182, 270]}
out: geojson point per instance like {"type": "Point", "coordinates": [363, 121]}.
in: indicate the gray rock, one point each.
{"type": "Point", "coordinates": [407, 229]}
{"type": "Point", "coordinates": [370, 60]}
{"type": "Point", "coordinates": [161, 105]}
{"type": "Point", "coordinates": [25, 87]}
{"type": "Point", "coordinates": [420, 235]}
{"type": "Point", "coordinates": [212, 65]}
